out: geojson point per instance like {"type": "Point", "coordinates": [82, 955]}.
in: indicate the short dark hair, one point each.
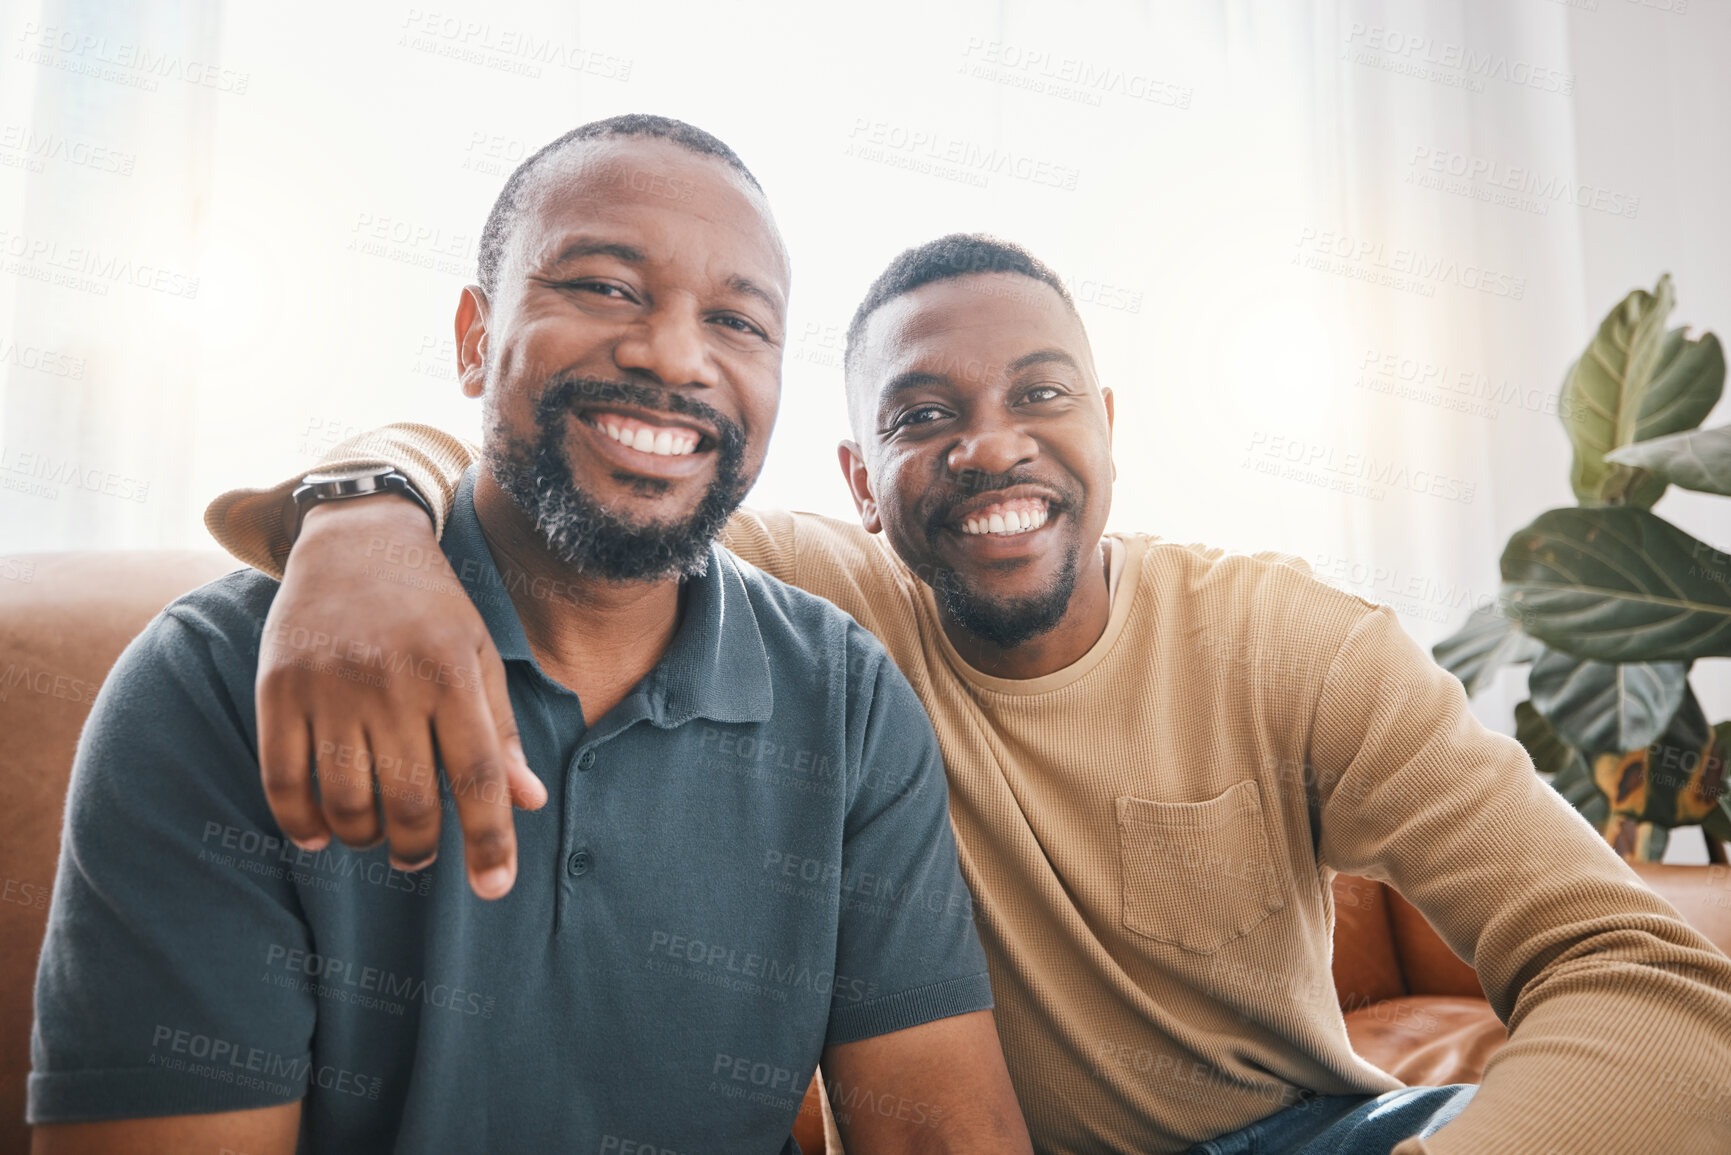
{"type": "Point", "coordinates": [957, 255]}
{"type": "Point", "coordinates": [497, 233]}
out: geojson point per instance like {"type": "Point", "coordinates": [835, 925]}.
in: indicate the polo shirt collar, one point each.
{"type": "Point", "coordinates": [716, 667]}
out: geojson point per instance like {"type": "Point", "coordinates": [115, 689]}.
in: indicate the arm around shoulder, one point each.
{"type": "Point", "coordinates": [249, 523]}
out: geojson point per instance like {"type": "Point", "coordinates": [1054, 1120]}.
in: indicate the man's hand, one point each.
{"type": "Point", "coordinates": [372, 657]}
{"type": "Point", "coordinates": [940, 1088]}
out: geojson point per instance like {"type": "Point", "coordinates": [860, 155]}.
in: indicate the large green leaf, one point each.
{"type": "Point", "coordinates": [1699, 459]}
{"type": "Point", "coordinates": [1485, 644]}
{"type": "Point", "coordinates": [1635, 382]}
{"type": "Point", "coordinates": [1618, 584]}
{"type": "Point", "coordinates": [1601, 707]}
{"type": "Point", "coordinates": [1686, 386]}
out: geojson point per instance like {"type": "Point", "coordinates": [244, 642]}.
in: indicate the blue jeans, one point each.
{"type": "Point", "coordinates": [1346, 1124]}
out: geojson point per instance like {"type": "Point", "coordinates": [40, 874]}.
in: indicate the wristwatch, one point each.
{"type": "Point", "coordinates": [345, 485]}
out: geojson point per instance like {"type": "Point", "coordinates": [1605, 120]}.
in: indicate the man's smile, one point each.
{"type": "Point", "coordinates": [1013, 515]}
{"type": "Point", "coordinates": [652, 444]}
{"type": "Point", "coordinates": [1008, 518]}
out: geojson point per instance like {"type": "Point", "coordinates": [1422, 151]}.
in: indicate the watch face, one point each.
{"type": "Point", "coordinates": [352, 473]}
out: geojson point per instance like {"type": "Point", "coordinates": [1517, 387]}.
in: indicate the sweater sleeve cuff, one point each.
{"type": "Point", "coordinates": [248, 523]}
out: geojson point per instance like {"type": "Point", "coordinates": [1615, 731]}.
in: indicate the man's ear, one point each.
{"type": "Point", "coordinates": [472, 340]}
{"type": "Point", "coordinates": [1106, 396]}
{"type": "Point", "coordinates": [859, 483]}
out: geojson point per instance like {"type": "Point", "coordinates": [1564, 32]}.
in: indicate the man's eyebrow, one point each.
{"type": "Point", "coordinates": [588, 248]}
{"type": "Point", "coordinates": [592, 248]}
{"type": "Point", "coordinates": [1043, 357]}
{"type": "Point", "coordinates": [908, 382]}
{"type": "Point", "coordinates": [751, 288]}
{"type": "Point", "coordinates": [922, 379]}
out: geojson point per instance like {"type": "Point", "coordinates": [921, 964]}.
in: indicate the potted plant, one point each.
{"type": "Point", "coordinates": [1611, 604]}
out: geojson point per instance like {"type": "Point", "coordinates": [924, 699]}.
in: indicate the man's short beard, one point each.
{"type": "Point", "coordinates": [1008, 623]}
{"type": "Point", "coordinates": [583, 533]}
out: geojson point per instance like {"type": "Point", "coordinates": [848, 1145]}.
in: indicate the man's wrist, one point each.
{"type": "Point", "coordinates": [382, 536]}
{"type": "Point", "coordinates": [379, 511]}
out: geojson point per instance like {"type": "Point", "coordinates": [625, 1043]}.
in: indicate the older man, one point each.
{"type": "Point", "coordinates": [1158, 757]}
{"type": "Point", "coordinates": [657, 979]}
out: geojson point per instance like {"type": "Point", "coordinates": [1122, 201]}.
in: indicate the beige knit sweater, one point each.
{"type": "Point", "coordinates": [1150, 835]}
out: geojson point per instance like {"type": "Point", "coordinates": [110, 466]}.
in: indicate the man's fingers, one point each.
{"type": "Point", "coordinates": [527, 790]}
{"type": "Point", "coordinates": [408, 794]}
{"type": "Point", "coordinates": [475, 764]}
{"type": "Point", "coordinates": [284, 758]}
{"type": "Point", "coordinates": [346, 785]}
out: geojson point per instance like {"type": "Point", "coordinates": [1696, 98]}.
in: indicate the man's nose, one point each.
{"type": "Point", "coordinates": [668, 345]}
{"type": "Point", "coordinates": [994, 450]}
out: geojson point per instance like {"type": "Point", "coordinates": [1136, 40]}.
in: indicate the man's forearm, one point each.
{"type": "Point", "coordinates": [261, 1131]}
{"type": "Point", "coordinates": [940, 1088]}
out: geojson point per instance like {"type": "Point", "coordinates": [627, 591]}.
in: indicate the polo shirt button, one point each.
{"type": "Point", "coordinates": [580, 862]}
{"type": "Point", "coordinates": [586, 759]}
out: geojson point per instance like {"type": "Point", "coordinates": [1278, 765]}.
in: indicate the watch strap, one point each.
{"type": "Point", "coordinates": [310, 493]}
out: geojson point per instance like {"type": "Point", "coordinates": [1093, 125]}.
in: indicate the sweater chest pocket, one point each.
{"type": "Point", "coordinates": [1197, 874]}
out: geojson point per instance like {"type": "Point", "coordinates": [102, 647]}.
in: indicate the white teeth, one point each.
{"type": "Point", "coordinates": [1006, 524]}
{"type": "Point", "coordinates": [665, 443]}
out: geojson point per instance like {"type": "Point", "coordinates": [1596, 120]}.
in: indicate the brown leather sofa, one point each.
{"type": "Point", "coordinates": [1413, 1008]}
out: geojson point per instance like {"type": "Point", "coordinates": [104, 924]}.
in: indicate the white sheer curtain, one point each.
{"type": "Point", "coordinates": [1335, 256]}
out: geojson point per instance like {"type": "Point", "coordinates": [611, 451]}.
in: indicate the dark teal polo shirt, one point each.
{"type": "Point", "coordinates": [684, 937]}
